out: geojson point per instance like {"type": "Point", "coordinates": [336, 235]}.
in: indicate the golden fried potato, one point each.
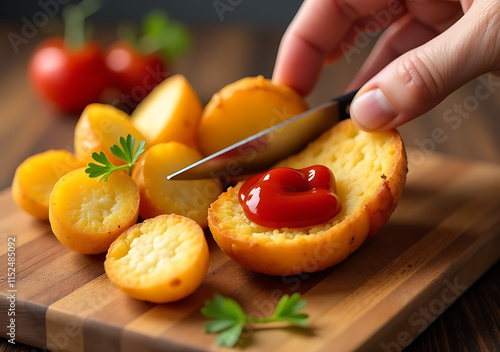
{"type": "Point", "coordinates": [35, 178]}
{"type": "Point", "coordinates": [160, 260]}
{"type": "Point", "coordinates": [190, 198]}
{"type": "Point", "coordinates": [171, 112]}
{"type": "Point", "coordinates": [244, 108]}
{"type": "Point", "coordinates": [370, 170]}
{"type": "Point", "coordinates": [100, 126]}
{"type": "Point", "coordinates": [86, 215]}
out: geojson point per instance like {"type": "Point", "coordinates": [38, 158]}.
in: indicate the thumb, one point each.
{"type": "Point", "coordinates": [418, 80]}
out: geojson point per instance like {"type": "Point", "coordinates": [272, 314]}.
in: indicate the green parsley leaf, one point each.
{"type": "Point", "coordinates": [288, 307]}
{"type": "Point", "coordinates": [126, 152]}
{"type": "Point", "coordinates": [230, 336]}
{"type": "Point", "coordinates": [228, 319]}
{"type": "Point", "coordinates": [218, 325]}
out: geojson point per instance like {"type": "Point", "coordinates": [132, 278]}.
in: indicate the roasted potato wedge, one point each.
{"type": "Point", "coordinates": [189, 198]}
{"type": "Point", "coordinates": [171, 112]}
{"type": "Point", "coordinates": [244, 108]}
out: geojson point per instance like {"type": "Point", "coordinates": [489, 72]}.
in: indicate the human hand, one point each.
{"type": "Point", "coordinates": [430, 49]}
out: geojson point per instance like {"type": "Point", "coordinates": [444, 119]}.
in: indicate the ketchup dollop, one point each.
{"type": "Point", "coordinates": [286, 197]}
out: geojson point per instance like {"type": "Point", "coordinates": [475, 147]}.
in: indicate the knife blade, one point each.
{"type": "Point", "coordinates": [263, 149]}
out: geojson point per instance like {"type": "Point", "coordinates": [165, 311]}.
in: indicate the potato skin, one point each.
{"type": "Point", "coordinates": [161, 196]}
{"type": "Point", "coordinates": [40, 171]}
{"type": "Point", "coordinates": [244, 108]}
{"type": "Point", "coordinates": [312, 252]}
{"type": "Point", "coordinates": [100, 126]}
{"type": "Point", "coordinates": [385, 202]}
{"type": "Point", "coordinates": [27, 203]}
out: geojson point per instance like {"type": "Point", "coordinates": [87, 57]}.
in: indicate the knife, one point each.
{"type": "Point", "coordinates": [263, 149]}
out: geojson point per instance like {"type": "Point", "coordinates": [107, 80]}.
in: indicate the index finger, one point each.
{"type": "Point", "coordinates": [317, 29]}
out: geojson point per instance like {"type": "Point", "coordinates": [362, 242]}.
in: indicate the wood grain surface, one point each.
{"type": "Point", "coordinates": [443, 236]}
{"type": "Point", "coordinates": [228, 53]}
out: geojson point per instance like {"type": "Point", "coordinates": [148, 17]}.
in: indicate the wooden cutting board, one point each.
{"type": "Point", "coordinates": [443, 236]}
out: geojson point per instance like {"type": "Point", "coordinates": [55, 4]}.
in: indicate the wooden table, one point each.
{"type": "Point", "coordinates": [468, 121]}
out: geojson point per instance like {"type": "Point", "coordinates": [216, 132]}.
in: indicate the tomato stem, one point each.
{"type": "Point", "coordinates": [74, 21]}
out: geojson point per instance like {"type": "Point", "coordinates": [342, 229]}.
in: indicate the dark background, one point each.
{"type": "Point", "coordinates": [258, 13]}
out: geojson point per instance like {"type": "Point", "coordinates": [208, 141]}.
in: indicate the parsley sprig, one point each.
{"type": "Point", "coordinates": [228, 319]}
{"type": "Point", "coordinates": [126, 153]}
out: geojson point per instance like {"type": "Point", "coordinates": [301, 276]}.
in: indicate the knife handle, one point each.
{"type": "Point", "coordinates": [344, 103]}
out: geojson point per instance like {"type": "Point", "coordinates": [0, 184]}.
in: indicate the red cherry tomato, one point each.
{"type": "Point", "coordinates": [134, 73]}
{"type": "Point", "coordinates": [68, 78]}
{"type": "Point", "coordinates": [286, 197]}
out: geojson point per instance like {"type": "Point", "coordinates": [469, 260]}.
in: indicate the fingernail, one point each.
{"type": "Point", "coordinates": [372, 110]}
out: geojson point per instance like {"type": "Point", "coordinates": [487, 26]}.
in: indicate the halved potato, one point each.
{"type": "Point", "coordinates": [370, 171]}
{"type": "Point", "coordinates": [244, 108]}
{"type": "Point", "coordinates": [86, 215]}
{"type": "Point", "coordinates": [160, 260]}
{"type": "Point", "coordinates": [35, 178]}
{"type": "Point", "coordinates": [171, 112]}
{"type": "Point", "coordinates": [100, 126]}
{"type": "Point", "coordinates": [161, 196]}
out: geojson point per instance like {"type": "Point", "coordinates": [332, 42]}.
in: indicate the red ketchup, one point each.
{"type": "Point", "coordinates": [286, 197]}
